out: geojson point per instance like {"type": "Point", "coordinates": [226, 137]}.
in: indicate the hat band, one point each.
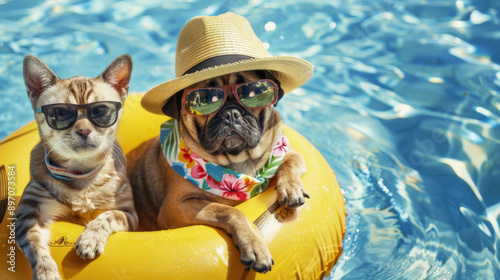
{"type": "Point", "coordinates": [217, 61]}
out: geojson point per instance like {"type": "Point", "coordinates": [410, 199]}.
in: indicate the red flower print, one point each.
{"type": "Point", "coordinates": [185, 155]}
{"type": "Point", "coordinates": [232, 187]}
{"type": "Point", "coordinates": [281, 147]}
{"type": "Point", "coordinates": [212, 183]}
{"type": "Point", "coordinates": [198, 172]}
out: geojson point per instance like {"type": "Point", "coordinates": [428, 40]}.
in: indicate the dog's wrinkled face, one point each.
{"type": "Point", "coordinates": [233, 134]}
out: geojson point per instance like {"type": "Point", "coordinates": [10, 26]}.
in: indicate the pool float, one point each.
{"type": "Point", "coordinates": [304, 244]}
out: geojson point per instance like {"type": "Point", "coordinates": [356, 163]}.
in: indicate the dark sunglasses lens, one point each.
{"type": "Point", "coordinates": [61, 117]}
{"type": "Point", "coordinates": [103, 114]}
{"type": "Point", "coordinates": [256, 94]}
{"type": "Point", "coordinates": [204, 101]}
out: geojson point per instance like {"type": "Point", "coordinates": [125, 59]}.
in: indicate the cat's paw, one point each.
{"type": "Point", "coordinates": [90, 243]}
{"type": "Point", "coordinates": [46, 270]}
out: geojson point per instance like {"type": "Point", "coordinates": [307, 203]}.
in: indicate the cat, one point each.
{"type": "Point", "coordinates": [78, 171]}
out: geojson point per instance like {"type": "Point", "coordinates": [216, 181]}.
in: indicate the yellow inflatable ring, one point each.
{"type": "Point", "coordinates": [304, 248]}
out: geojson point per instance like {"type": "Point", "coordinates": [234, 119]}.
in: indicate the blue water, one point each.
{"type": "Point", "coordinates": [404, 104]}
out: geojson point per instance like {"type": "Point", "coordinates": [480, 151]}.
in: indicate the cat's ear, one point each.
{"type": "Point", "coordinates": [37, 76]}
{"type": "Point", "coordinates": [118, 74]}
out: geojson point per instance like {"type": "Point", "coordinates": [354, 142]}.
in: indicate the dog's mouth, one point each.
{"type": "Point", "coordinates": [231, 135]}
{"type": "Point", "coordinates": [232, 141]}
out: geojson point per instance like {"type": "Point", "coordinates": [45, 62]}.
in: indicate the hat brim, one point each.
{"type": "Point", "coordinates": [291, 72]}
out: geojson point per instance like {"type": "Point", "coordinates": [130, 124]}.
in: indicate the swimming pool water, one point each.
{"type": "Point", "coordinates": [404, 104]}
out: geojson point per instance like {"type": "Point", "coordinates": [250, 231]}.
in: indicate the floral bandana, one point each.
{"type": "Point", "coordinates": [214, 178]}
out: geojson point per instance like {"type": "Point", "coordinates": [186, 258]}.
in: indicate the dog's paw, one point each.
{"type": "Point", "coordinates": [46, 270]}
{"type": "Point", "coordinates": [90, 243]}
{"type": "Point", "coordinates": [256, 255]}
{"type": "Point", "coordinates": [291, 193]}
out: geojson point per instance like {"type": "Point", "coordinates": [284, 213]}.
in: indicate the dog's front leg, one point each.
{"type": "Point", "coordinates": [289, 185]}
{"type": "Point", "coordinates": [246, 238]}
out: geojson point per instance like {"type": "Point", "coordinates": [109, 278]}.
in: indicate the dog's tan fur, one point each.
{"type": "Point", "coordinates": [164, 200]}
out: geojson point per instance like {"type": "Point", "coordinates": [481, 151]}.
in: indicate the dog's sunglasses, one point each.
{"type": "Point", "coordinates": [251, 95]}
{"type": "Point", "coordinates": [64, 115]}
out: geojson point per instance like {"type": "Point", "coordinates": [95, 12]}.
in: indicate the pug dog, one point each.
{"type": "Point", "coordinates": [235, 137]}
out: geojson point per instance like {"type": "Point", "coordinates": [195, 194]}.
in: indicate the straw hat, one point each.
{"type": "Point", "coordinates": [211, 46]}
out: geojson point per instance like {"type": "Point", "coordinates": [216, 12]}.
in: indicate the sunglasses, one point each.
{"type": "Point", "coordinates": [251, 95]}
{"type": "Point", "coordinates": [63, 115]}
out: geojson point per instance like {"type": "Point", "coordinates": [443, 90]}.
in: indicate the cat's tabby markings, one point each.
{"type": "Point", "coordinates": [76, 142]}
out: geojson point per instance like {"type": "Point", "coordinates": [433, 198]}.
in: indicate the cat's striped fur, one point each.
{"type": "Point", "coordinates": [104, 202]}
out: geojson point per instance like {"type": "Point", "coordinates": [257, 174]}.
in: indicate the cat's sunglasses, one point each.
{"type": "Point", "coordinates": [62, 116]}
{"type": "Point", "coordinates": [251, 95]}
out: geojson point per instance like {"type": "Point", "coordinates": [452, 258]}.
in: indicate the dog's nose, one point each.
{"type": "Point", "coordinates": [230, 114]}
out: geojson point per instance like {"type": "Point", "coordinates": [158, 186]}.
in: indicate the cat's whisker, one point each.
{"type": "Point", "coordinates": [120, 155]}
{"type": "Point", "coordinates": [47, 153]}
{"type": "Point", "coordinates": [122, 140]}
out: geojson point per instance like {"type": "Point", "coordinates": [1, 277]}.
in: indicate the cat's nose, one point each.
{"type": "Point", "coordinates": [84, 133]}
{"type": "Point", "coordinates": [83, 127]}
